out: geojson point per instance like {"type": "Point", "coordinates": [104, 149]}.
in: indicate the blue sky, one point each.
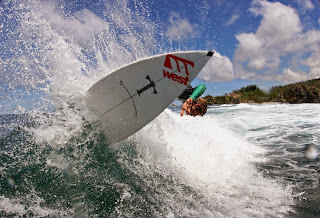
{"type": "Point", "coordinates": [261, 42]}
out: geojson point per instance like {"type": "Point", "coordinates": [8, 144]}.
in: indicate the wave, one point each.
{"type": "Point", "coordinates": [187, 166]}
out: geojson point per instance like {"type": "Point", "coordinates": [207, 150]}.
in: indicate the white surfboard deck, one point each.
{"type": "Point", "coordinates": [132, 96]}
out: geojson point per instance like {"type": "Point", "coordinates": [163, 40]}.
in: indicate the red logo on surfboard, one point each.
{"type": "Point", "coordinates": [183, 79]}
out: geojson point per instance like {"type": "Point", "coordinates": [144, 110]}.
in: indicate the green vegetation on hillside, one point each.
{"type": "Point", "coordinates": [302, 92]}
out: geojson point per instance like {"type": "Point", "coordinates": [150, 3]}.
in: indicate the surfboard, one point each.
{"type": "Point", "coordinates": [132, 96]}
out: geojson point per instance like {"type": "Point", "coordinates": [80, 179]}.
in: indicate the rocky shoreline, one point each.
{"type": "Point", "coordinates": [302, 92]}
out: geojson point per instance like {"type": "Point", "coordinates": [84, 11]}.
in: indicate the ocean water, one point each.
{"type": "Point", "coordinates": [290, 134]}
{"type": "Point", "coordinates": [236, 161]}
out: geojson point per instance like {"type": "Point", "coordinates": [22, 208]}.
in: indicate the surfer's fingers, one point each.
{"type": "Point", "coordinates": [182, 111]}
{"type": "Point", "coordinates": [189, 102]}
{"type": "Point", "coordinates": [184, 108]}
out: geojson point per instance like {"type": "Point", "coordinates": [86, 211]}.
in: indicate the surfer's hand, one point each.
{"type": "Point", "coordinates": [184, 108]}
{"type": "Point", "coordinates": [189, 103]}
{"type": "Point", "coordinates": [187, 106]}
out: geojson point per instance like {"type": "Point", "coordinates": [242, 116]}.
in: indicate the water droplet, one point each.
{"type": "Point", "coordinates": [11, 182]}
{"type": "Point", "coordinates": [311, 152]}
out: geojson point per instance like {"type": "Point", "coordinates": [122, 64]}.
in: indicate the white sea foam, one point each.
{"type": "Point", "coordinates": [216, 161]}
{"type": "Point", "coordinates": [289, 132]}
{"type": "Point", "coordinates": [20, 207]}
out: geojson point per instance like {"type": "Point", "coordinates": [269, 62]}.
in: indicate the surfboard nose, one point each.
{"type": "Point", "coordinates": [210, 53]}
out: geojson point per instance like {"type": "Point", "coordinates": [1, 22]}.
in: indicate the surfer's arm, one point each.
{"type": "Point", "coordinates": [186, 93]}
{"type": "Point", "coordinates": [198, 91]}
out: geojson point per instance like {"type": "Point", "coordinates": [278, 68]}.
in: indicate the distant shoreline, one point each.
{"type": "Point", "coordinates": [298, 93]}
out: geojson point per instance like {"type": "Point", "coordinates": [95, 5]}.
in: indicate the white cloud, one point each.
{"type": "Point", "coordinates": [80, 27]}
{"type": "Point", "coordinates": [305, 5]}
{"type": "Point", "coordinates": [278, 26]}
{"type": "Point", "coordinates": [303, 43]}
{"type": "Point", "coordinates": [289, 76]}
{"type": "Point", "coordinates": [232, 19]}
{"type": "Point", "coordinates": [249, 49]}
{"type": "Point", "coordinates": [279, 35]}
{"type": "Point", "coordinates": [313, 62]}
{"type": "Point", "coordinates": [279, 23]}
{"type": "Point", "coordinates": [180, 29]}
{"type": "Point", "coordinates": [219, 68]}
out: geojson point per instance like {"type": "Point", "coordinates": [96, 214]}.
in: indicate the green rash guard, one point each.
{"type": "Point", "coordinates": [198, 91]}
